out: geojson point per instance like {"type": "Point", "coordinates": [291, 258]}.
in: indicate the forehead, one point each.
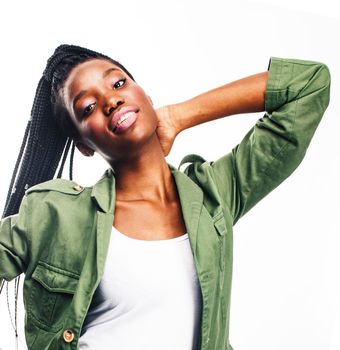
{"type": "Point", "coordinates": [86, 74]}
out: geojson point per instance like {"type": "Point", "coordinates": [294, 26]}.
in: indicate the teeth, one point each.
{"type": "Point", "coordinates": [124, 117]}
{"type": "Point", "coordinates": [120, 121]}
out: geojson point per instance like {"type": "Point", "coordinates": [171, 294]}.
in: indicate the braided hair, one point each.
{"type": "Point", "coordinates": [48, 135]}
{"type": "Point", "coordinates": [50, 131]}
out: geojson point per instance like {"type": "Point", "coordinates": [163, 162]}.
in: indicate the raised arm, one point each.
{"type": "Point", "coordinates": [246, 95]}
{"type": "Point", "coordinates": [295, 94]}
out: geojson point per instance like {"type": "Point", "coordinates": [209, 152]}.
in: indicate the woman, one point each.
{"type": "Point", "coordinates": [143, 259]}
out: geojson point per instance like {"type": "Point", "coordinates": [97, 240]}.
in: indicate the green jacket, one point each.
{"type": "Point", "coordinates": [60, 237]}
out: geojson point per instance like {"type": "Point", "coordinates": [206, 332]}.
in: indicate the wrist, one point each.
{"type": "Point", "coordinates": [178, 116]}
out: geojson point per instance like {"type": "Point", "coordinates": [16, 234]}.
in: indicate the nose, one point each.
{"type": "Point", "coordinates": [112, 102]}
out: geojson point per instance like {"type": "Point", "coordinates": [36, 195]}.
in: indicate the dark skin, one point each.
{"type": "Point", "coordinates": [145, 188]}
{"type": "Point", "coordinates": [146, 191]}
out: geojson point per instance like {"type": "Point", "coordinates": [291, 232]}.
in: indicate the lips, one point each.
{"type": "Point", "coordinates": [117, 116]}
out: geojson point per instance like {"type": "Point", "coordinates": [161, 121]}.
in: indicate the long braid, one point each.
{"type": "Point", "coordinates": [71, 161]}
{"type": "Point", "coordinates": [49, 128]}
{"type": "Point", "coordinates": [67, 147]}
{"type": "Point", "coordinates": [48, 135]}
{"type": "Point", "coordinates": [43, 150]}
{"type": "Point", "coordinates": [22, 148]}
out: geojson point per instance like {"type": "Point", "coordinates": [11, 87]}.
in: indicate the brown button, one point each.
{"type": "Point", "coordinates": [77, 188]}
{"type": "Point", "coordinates": [68, 336]}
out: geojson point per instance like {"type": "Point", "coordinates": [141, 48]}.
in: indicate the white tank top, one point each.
{"type": "Point", "coordinates": [148, 299]}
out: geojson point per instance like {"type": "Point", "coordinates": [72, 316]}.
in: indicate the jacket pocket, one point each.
{"type": "Point", "coordinates": [51, 295]}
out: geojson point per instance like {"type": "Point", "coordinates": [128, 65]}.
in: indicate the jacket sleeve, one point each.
{"type": "Point", "coordinates": [14, 243]}
{"type": "Point", "coordinates": [296, 97]}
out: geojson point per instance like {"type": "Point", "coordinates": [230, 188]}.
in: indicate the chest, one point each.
{"type": "Point", "coordinates": [149, 270]}
{"type": "Point", "coordinates": [149, 221]}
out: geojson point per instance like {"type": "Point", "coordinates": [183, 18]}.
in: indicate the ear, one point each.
{"type": "Point", "coordinates": [84, 149]}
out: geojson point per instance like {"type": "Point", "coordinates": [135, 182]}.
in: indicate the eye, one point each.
{"type": "Point", "coordinates": [119, 83]}
{"type": "Point", "coordinates": [88, 109]}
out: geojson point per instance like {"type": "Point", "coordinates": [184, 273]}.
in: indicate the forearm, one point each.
{"type": "Point", "coordinates": [296, 97]}
{"type": "Point", "coordinates": [246, 95]}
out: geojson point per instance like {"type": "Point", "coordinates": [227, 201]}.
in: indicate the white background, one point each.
{"type": "Point", "coordinates": [286, 286]}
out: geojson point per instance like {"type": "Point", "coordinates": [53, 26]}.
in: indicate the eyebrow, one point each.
{"type": "Point", "coordinates": [108, 71]}
{"type": "Point", "coordinates": [83, 92]}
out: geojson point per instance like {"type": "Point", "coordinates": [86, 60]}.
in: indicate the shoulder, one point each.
{"type": "Point", "coordinates": [57, 196]}
{"type": "Point", "coordinates": [57, 185]}
{"type": "Point", "coordinates": [199, 171]}
{"type": "Point", "coordinates": [196, 161]}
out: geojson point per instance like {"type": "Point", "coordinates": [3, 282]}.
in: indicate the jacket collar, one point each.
{"type": "Point", "coordinates": [104, 192]}
{"type": "Point", "coordinates": [190, 194]}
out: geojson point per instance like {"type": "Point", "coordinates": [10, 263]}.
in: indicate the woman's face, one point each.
{"type": "Point", "coordinates": [98, 95]}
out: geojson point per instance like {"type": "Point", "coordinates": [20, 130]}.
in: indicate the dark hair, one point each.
{"type": "Point", "coordinates": [50, 131]}
{"type": "Point", "coordinates": [48, 135]}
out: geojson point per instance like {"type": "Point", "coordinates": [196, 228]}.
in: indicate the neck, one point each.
{"type": "Point", "coordinates": [145, 177]}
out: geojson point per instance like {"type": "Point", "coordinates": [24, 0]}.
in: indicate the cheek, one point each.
{"type": "Point", "coordinates": [138, 94]}
{"type": "Point", "coordinates": [93, 128]}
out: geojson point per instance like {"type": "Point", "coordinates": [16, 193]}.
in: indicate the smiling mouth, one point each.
{"type": "Point", "coordinates": [122, 119]}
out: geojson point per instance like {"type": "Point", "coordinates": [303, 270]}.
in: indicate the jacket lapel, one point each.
{"type": "Point", "coordinates": [191, 198]}
{"type": "Point", "coordinates": [104, 195]}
